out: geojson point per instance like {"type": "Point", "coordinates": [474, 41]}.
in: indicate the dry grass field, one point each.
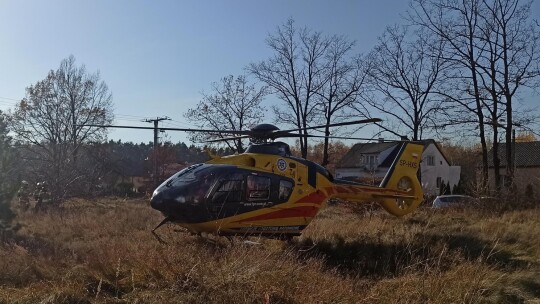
{"type": "Point", "coordinates": [102, 251]}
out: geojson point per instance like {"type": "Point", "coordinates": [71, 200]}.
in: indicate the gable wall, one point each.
{"type": "Point", "coordinates": [441, 168]}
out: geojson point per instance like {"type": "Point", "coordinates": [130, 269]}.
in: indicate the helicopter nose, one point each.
{"type": "Point", "coordinates": [156, 201]}
{"type": "Point", "coordinates": [162, 201]}
{"type": "Point", "coordinates": [178, 207]}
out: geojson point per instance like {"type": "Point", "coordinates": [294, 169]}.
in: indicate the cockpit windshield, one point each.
{"type": "Point", "coordinates": [191, 184]}
{"type": "Point", "coordinates": [190, 174]}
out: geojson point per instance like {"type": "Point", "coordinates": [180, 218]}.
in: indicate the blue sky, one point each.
{"type": "Point", "coordinates": [157, 56]}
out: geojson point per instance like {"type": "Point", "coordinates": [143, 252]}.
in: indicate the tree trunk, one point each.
{"type": "Point", "coordinates": [325, 159]}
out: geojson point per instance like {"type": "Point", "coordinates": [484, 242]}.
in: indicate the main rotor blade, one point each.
{"type": "Point", "coordinates": [239, 132]}
{"type": "Point", "coordinates": [340, 137]}
{"type": "Point", "coordinates": [360, 138]}
{"type": "Point", "coordinates": [226, 139]}
{"type": "Point", "coordinates": [288, 135]}
{"type": "Point", "coordinates": [332, 137]}
{"type": "Point", "coordinates": [339, 124]}
{"type": "Point", "coordinates": [294, 135]}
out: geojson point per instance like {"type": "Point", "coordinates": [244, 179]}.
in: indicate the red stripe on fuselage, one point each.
{"type": "Point", "coordinates": [343, 189]}
{"type": "Point", "coordinates": [316, 197]}
{"type": "Point", "coordinates": [329, 190]}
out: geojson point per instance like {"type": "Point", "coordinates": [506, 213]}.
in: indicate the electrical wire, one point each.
{"type": "Point", "coordinates": [9, 101]}
{"type": "Point", "coordinates": [179, 124]}
{"type": "Point", "coordinates": [11, 98]}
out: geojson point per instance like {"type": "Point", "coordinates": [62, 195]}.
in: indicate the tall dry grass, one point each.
{"type": "Point", "coordinates": [103, 252]}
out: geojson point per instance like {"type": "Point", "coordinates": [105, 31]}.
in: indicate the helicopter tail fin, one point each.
{"type": "Point", "coordinates": [402, 177]}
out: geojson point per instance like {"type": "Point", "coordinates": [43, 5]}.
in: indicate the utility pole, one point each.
{"type": "Point", "coordinates": [156, 145]}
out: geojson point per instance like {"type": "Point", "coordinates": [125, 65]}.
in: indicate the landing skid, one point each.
{"type": "Point", "coordinates": [232, 238]}
{"type": "Point", "coordinates": [160, 240]}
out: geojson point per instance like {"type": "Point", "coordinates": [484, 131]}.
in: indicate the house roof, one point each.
{"type": "Point", "coordinates": [527, 154]}
{"type": "Point", "coordinates": [353, 158]}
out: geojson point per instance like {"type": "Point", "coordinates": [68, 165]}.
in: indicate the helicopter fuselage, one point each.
{"type": "Point", "coordinates": [256, 193]}
{"type": "Point", "coordinates": [244, 193]}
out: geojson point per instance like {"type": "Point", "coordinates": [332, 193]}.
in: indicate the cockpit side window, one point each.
{"type": "Point", "coordinates": [285, 190]}
{"type": "Point", "coordinates": [229, 190]}
{"type": "Point", "coordinates": [258, 188]}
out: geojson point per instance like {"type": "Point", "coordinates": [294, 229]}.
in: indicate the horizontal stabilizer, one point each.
{"type": "Point", "coordinates": [396, 196]}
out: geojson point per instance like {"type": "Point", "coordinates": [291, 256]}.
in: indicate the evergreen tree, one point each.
{"type": "Point", "coordinates": [7, 179]}
{"type": "Point", "coordinates": [442, 188]}
{"type": "Point", "coordinates": [459, 187]}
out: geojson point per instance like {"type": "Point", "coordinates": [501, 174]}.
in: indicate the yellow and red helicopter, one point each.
{"type": "Point", "coordinates": [267, 191]}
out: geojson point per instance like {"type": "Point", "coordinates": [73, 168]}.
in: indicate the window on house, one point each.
{"type": "Point", "coordinates": [439, 182]}
{"type": "Point", "coordinates": [371, 161]}
{"type": "Point", "coordinates": [258, 187]}
{"type": "Point", "coordinates": [430, 160]}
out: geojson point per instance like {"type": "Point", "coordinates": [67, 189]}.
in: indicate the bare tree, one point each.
{"type": "Point", "coordinates": [514, 55]}
{"type": "Point", "coordinates": [456, 22]}
{"type": "Point", "coordinates": [234, 104]}
{"type": "Point", "coordinates": [344, 80]}
{"type": "Point", "coordinates": [404, 75]}
{"type": "Point", "coordinates": [49, 122]}
{"type": "Point", "coordinates": [494, 50]}
{"type": "Point", "coordinates": [487, 68]}
{"type": "Point", "coordinates": [296, 73]}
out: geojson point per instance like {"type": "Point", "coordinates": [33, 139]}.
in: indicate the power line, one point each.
{"type": "Point", "coordinates": [8, 103]}
{"type": "Point", "coordinates": [119, 116]}
{"type": "Point", "coordinates": [5, 101]}
{"type": "Point", "coordinates": [181, 123]}
{"type": "Point", "coordinates": [127, 119]}
{"type": "Point", "coordinates": [11, 98]}
{"type": "Point", "coordinates": [170, 122]}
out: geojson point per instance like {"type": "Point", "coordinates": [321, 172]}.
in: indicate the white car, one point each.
{"type": "Point", "coordinates": [448, 201]}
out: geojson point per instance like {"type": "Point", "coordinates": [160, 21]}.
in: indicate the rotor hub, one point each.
{"type": "Point", "coordinates": [261, 133]}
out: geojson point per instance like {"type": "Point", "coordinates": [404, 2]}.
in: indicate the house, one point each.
{"type": "Point", "coordinates": [436, 169]}
{"type": "Point", "coordinates": [142, 181]}
{"type": "Point", "coordinates": [369, 162]}
{"type": "Point", "coordinates": [527, 165]}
